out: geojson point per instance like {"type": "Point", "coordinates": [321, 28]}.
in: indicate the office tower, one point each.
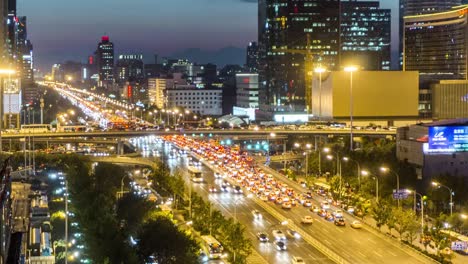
{"type": "Point", "coordinates": [365, 35]}
{"type": "Point", "coordinates": [420, 7]}
{"type": "Point", "coordinates": [105, 62]}
{"type": "Point", "coordinates": [295, 36]}
{"type": "Point", "coordinates": [24, 51]}
{"type": "Point", "coordinates": [252, 57]}
{"type": "Point", "coordinates": [12, 24]}
{"type": "Point", "coordinates": [247, 90]}
{"type": "Point", "coordinates": [129, 67]}
{"type": "Point", "coordinates": [436, 46]}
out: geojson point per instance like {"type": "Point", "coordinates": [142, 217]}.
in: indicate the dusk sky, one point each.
{"type": "Point", "coordinates": [61, 30]}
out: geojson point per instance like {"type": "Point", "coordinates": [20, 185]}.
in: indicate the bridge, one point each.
{"type": "Point", "coordinates": [220, 132]}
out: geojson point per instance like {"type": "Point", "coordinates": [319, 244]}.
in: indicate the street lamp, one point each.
{"type": "Point", "coordinates": [320, 70]}
{"type": "Point", "coordinates": [271, 135]}
{"type": "Point", "coordinates": [338, 166]}
{"type": "Point", "coordinates": [351, 69]}
{"type": "Point", "coordinates": [438, 185]}
{"type": "Point", "coordinates": [358, 170]}
{"type": "Point", "coordinates": [422, 206]}
{"type": "Point", "coordinates": [367, 173]}
{"type": "Point", "coordinates": [385, 170]}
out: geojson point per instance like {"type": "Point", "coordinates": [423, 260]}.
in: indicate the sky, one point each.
{"type": "Point", "coordinates": [70, 30]}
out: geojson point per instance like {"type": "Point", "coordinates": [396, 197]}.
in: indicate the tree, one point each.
{"type": "Point", "coordinates": [132, 211]}
{"type": "Point", "coordinates": [161, 239]}
{"type": "Point", "coordinates": [381, 213]}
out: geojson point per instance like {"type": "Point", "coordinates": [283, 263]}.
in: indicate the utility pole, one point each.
{"type": "Point", "coordinates": [42, 110]}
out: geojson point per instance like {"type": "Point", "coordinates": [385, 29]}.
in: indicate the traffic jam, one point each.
{"type": "Point", "coordinates": [246, 176]}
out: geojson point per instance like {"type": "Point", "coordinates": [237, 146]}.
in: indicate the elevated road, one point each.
{"type": "Point", "coordinates": [233, 132]}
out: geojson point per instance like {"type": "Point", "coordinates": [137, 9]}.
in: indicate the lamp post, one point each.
{"type": "Point", "coordinates": [438, 185]}
{"type": "Point", "coordinates": [358, 170]}
{"type": "Point", "coordinates": [367, 173]}
{"type": "Point", "coordinates": [320, 70]}
{"type": "Point", "coordinates": [422, 206]}
{"type": "Point", "coordinates": [271, 135]}
{"type": "Point", "coordinates": [338, 166]}
{"type": "Point", "coordinates": [385, 170]}
{"type": "Point", "coordinates": [351, 69]}
{"type": "Point", "coordinates": [122, 185]}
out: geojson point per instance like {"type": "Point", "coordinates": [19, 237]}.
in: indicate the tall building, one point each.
{"type": "Point", "coordinates": [294, 36]}
{"type": "Point", "coordinates": [105, 62]}
{"type": "Point", "coordinates": [24, 50]}
{"type": "Point", "coordinates": [156, 92]}
{"type": "Point", "coordinates": [251, 63]}
{"type": "Point", "coordinates": [12, 25]}
{"type": "Point", "coordinates": [436, 46]}
{"type": "Point", "coordinates": [247, 90]}
{"type": "Point", "coordinates": [365, 35]}
{"type": "Point", "coordinates": [130, 67]}
{"type": "Point", "coordinates": [421, 7]}
{"type": "Point", "coordinates": [3, 33]}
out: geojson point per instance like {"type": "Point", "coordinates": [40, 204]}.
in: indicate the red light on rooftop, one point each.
{"type": "Point", "coordinates": [105, 38]}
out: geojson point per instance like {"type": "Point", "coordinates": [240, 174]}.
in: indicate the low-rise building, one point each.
{"type": "Point", "coordinates": [207, 101]}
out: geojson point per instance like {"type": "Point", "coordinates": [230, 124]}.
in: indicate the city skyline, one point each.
{"type": "Point", "coordinates": [228, 23]}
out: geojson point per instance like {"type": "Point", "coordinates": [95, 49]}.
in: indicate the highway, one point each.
{"type": "Point", "coordinates": [356, 246]}
{"type": "Point", "coordinates": [241, 206]}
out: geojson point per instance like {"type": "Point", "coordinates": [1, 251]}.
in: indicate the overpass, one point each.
{"type": "Point", "coordinates": [123, 160]}
{"type": "Point", "coordinates": [231, 132]}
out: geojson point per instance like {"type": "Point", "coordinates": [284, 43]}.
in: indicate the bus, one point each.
{"type": "Point", "coordinates": [459, 242]}
{"type": "Point", "coordinates": [35, 128]}
{"type": "Point", "coordinates": [79, 128]}
{"type": "Point", "coordinates": [195, 174]}
{"type": "Point", "coordinates": [211, 248]}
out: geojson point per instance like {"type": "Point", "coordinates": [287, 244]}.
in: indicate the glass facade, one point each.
{"type": "Point", "coordinates": [288, 30]}
{"type": "Point", "coordinates": [435, 45]}
{"type": "Point", "coordinates": [365, 35]}
{"type": "Point", "coordinates": [105, 56]}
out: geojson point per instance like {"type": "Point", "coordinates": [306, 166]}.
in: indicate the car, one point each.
{"type": "Point", "coordinates": [280, 245]}
{"type": "Point", "coordinates": [340, 222]}
{"type": "Point", "coordinates": [350, 209]}
{"type": "Point", "coordinates": [307, 203]}
{"type": "Point", "coordinates": [314, 209]}
{"type": "Point", "coordinates": [237, 189]}
{"type": "Point", "coordinates": [297, 260]}
{"type": "Point", "coordinates": [293, 233]}
{"type": "Point", "coordinates": [262, 237]}
{"type": "Point", "coordinates": [286, 205]}
{"type": "Point", "coordinates": [322, 213]}
{"type": "Point", "coordinates": [256, 214]}
{"type": "Point", "coordinates": [338, 213]}
{"type": "Point", "coordinates": [213, 189]}
{"type": "Point", "coordinates": [218, 175]}
{"type": "Point", "coordinates": [356, 224]}
{"type": "Point", "coordinates": [325, 205]}
{"type": "Point", "coordinates": [224, 188]}
{"type": "Point", "coordinates": [278, 234]}
{"type": "Point", "coordinates": [307, 219]}
{"type": "Point", "coordinates": [264, 198]}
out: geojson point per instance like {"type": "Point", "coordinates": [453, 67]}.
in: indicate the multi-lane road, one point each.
{"type": "Point", "coordinates": [354, 246]}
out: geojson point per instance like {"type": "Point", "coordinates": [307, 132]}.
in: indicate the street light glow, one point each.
{"type": "Point", "coordinates": [350, 68]}
{"type": "Point", "coordinates": [435, 183]}
{"type": "Point", "coordinates": [384, 169]}
{"type": "Point", "coordinates": [320, 70]}
{"type": "Point", "coordinates": [326, 150]}
{"type": "Point", "coordinates": [365, 173]}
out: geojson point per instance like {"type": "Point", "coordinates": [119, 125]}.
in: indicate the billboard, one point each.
{"type": "Point", "coordinates": [448, 139]}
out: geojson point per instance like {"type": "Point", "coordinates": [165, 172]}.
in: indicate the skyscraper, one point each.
{"type": "Point", "coordinates": [3, 32]}
{"type": "Point", "coordinates": [294, 36]}
{"type": "Point", "coordinates": [129, 68]}
{"type": "Point", "coordinates": [365, 35]}
{"type": "Point", "coordinates": [24, 53]}
{"type": "Point", "coordinates": [420, 7]}
{"type": "Point", "coordinates": [252, 57]}
{"type": "Point", "coordinates": [105, 62]}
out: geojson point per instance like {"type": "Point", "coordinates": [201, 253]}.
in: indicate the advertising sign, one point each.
{"type": "Point", "coordinates": [400, 194]}
{"type": "Point", "coordinates": [459, 245]}
{"type": "Point", "coordinates": [448, 139]}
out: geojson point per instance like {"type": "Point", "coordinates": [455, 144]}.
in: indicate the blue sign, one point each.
{"type": "Point", "coordinates": [400, 195]}
{"type": "Point", "coordinates": [459, 245]}
{"type": "Point", "coordinates": [448, 138]}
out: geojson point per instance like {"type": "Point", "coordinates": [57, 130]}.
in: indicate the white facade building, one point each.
{"type": "Point", "coordinates": [201, 101]}
{"type": "Point", "coordinates": [247, 90]}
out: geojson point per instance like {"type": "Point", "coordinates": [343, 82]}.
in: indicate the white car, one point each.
{"type": "Point", "coordinates": [218, 175]}
{"type": "Point", "coordinates": [278, 234]}
{"type": "Point", "coordinates": [307, 219]}
{"type": "Point", "coordinates": [286, 205]}
{"type": "Point", "coordinates": [338, 213]}
{"type": "Point", "coordinates": [256, 214]}
{"type": "Point", "coordinates": [325, 205]}
{"type": "Point", "coordinates": [297, 260]}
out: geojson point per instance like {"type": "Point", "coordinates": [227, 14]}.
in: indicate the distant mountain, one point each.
{"type": "Point", "coordinates": [224, 56]}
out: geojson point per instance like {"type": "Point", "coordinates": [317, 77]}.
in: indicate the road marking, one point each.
{"type": "Point", "coordinates": [393, 254]}
{"type": "Point", "coordinates": [339, 230]}
{"type": "Point", "coordinates": [378, 254]}
{"type": "Point", "coordinates": [357, 241]}
{"type": "Point", "coordinates": [359, 252]}
{"type": "Point", "coordinates": [372, 241]}
{"type": "Point", "coordinates": [328, 242]}
{"type": "Point", "coordinates": [326, 231]}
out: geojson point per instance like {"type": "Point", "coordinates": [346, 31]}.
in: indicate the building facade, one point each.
{"type": "Point", "coordinates": [251, 62]}
{"type": "Point", "coordinates": [293, 35]}
{"type": "Point", "coordinates": [200, 101]}
{"type": "Point", "coordinates": [436, 45]}
{"type": "Point", "coordinates": [129, 67]}
{"type": "Point", "coordinates": [450, 99]}
{"type": "Point", "coordinates": [156, 92]}
{"type": "Point", "coordinates": [365, 35]}
{"type": "Point", "coordinates": [247, 90]}
{"type": "Point", "coordinates": [105, 62]}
